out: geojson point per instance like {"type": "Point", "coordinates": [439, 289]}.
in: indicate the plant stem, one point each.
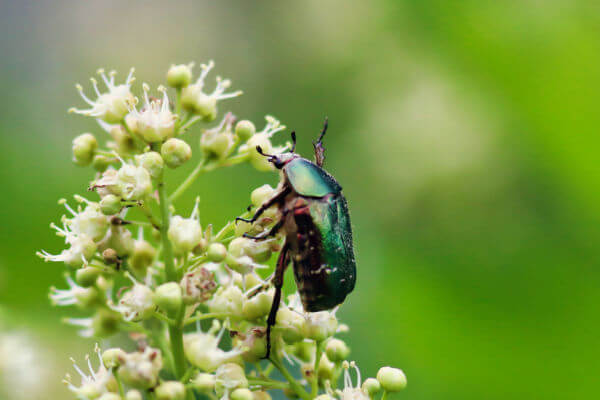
{"type": "Point", "coordinates": [295, 386]}
{"type": "Point", "coordinates": [203, 316]}
{"type": "Point", "coordinates": [189, 180]}
{"type": "Point", "coordinates": [315, 377]}
{"type": "Point", "coordinates": [384, 395]}
{"type": "Point", "coordinates": [269, 384]}
{"type": "Point", "coordinates": [175, 330]}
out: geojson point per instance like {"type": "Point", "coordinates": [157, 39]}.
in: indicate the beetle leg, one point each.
{"type": "Point", "coordinates": [271, 232]}
{"type": "Point", "coordinates": [273, 200]}
{"type": "Point", "coordinates": [282, 263]}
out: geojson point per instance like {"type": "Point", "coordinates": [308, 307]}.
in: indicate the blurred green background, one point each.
{"type": "Point", "coordinates": [465, 135]}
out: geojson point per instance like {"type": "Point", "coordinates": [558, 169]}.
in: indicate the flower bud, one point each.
{"type": "Point", "coordinates": [179, 76]}
{"type": "Point", "coordinates": [112, 357]}
{"type": "Point", "coordinates": [198, 286]}
{"type": "Point", "coordinates": [229, 377]}
{"type": "Point", "coordinates": [258, 306]}
{"type": "Point", "coordinates": [257, 160]}
{"type": "Point", "coordinates": [241, 394]}
{"type": "Point", "coordinates": [123, 142]}
{"type": "Point", "coordinates": [227, 300]}
{"type": "Point", "coordinates": [203, 382]}
{"type": "Point", "coordinates": [142, 257]}
{"type": "Point", "coordinates": [184, 233]}
{"type": "Point", "coordinates": [110, 205]}
{"type": "Point", "coordinates": [371, 386]}
{"type": "Point", "coordinates": [175, 152]}
{"type": "Point", "coordinates": [170, 390]}
{"type": "Point", "coordinates": [120, 240]}
{"type": "Point", "coordinates": [304, 351]}
{"type": "Point", "coordinates": [320, 325]}
{"type": "Point", "coordinates": [244, 130]}
{"type": "Point", "coordinates": [86, 276]}
{"type": "Point", "coordinates": [133, 395]}
{"type": "Point", "coordinates": [140, 369]}
{"type": "Point", "coordinates": [216, 252]}
{"type": "Point", "coordinates": [199, 103]}
{"type": "Point", "coordinates": [336, 350]}
{"type": "Point", "coordinates": [100, 162]}
{"type": "Point", "coordinates": [133, 182]}
{"type": "Point", "coordinates": [261, 194]}
{"type": "Point", "coordinates": [110, 256]}
{"type": "Point", "coordinates": [110, 396]}
{"type": "Point", "coordinates": [152, 162]}
{"type": "Point", "coordinates": [290, 324]}
{"type": "Point", "coordinates": [261, 395]}
{"type": "Point", "coordinates": [84, 147]}
{"type": "Point", "coordinates": [326, 369]}
{"type": "Point", "coordinates": [105, 323]}
{"type": "Point", "coordinates": [391, 379]}
{"type": "Point", "coordinates": [216, 144]}
{"type": "Point", "coordinates": [168, 297]}
{"type": "Point", "coordinates": [253, 344]}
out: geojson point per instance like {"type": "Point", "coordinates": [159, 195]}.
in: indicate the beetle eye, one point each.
{"type": "Point", "coordinates": [277, 162]}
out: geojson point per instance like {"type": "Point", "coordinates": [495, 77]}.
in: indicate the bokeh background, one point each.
{"type": "Point", "coordinates": [465, 134]}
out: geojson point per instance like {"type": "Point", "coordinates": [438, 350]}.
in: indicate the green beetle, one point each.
{"type": "Point", "coordinates": [318, 233]}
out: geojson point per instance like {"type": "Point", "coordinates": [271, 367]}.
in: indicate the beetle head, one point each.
{"type": "Point", "coordinates": [280, 160]}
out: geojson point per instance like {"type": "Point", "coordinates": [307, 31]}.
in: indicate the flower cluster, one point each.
{"type": "Point", "coordinates": [193, 300]}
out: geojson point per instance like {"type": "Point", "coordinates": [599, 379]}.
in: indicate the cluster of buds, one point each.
{"type": "Point", "coordinates": [194, 300]}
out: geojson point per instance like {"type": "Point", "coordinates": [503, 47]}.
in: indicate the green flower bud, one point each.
{"type": "Point", "coordinates": [168, 297]}
{"type": "Point", "coordinates": [110, 396]}
{"type": "Point", "coordinates": [100, 162]}
{"type": "Point", "coordinates": [261, 194]}
{"type": "Point", "coordinates": [179, 76]}
{"type": "Point", "coordinates": [123, 142]}
{"type": "Point", "coordinates": [290, 324]}
{"type": "Point", "coordinates": [229, 377]}
{"type": "Point", "coordinates": [133, 395]}
{"type": "Point", "coordinates": [175, 152]}
{"type": "Point", "coordinates": [258, 306]}
{"type": "Point", "coordinates": [88, 297]}
{"type": "Point", "coordinates": [112, 358]}
{"type": "Point", "coordinates": [110, 205]}
{"type": "Point", "coordinates": [86, 276]}
{"type": "Point", "coordinates": [84, 147]}
{"type": "Point", "coordinates": [140, 369]}
{"type": "Point", "coordinates": [227, 300]}
{"type": "Point", "coordinates": [320, 325]}
{"type": "Point", "coordinates": [216, 252]}
{"type": "Point", "coordinates": [216, 144]}
{"type": "Point", "coordinates": [105, 323]}
{"type": "Point", "coordinates": [257, 160]}
{"type": "Point", "coordinates": [336, 350]}
{"type": "Point", "coordinates": [142, 257]}
{"type": "Point", "coordinates": [371, 386]}
{"type": "Point", "coordinates": [261, 395]}
{"type": "Point", "coordinates": [193, 100]}
{"type": "Point", "coordinates": [391, 379]}
{"type": "Point", "coordinates": [170, 390]}
{"type": "Point", "coordinates": [120, 240]}
{"type": "Point", "coordinates": [152, 162]}
{"type": "Point", "coordinates": [326, 369]}
{"type": "Point", "coordinates": [110, 256]}
{"type": "Point", "coordinates": [254, 344]}
{"type": "Point", "coordinates": [303, 350]}
{"type": "Point", "coordinates": [244, 129]}
{"type": "Point", "coordinates": [203, 382]}
{"type": "Point", "coordinates": [241, 394]}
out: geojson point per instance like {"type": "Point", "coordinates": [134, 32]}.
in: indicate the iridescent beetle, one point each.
{"type": "Point", "coordinates": [318, 234]}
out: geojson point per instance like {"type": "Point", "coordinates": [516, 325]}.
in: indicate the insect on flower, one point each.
{"type": "Point", "coordinates": [318, 236]}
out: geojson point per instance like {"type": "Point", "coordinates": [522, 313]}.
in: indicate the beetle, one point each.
{"type": "Point", "coordinates": [315, 221]}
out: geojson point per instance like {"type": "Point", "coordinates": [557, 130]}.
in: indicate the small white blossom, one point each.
{"type": "Point", "coordinates": [131, 182]}
{"type": "Point", "coordinates": [141, 369]}
{"type": "Point", "coordinates": [136, 303]}
{"type": "Point", "coordinates": [89, 221]}
{"type": "Point", "coordinates": [185, 233]}
{"type": "Point", "coordinates": [87, 325]}
{"type": "Point", "coordinates": [94, 384]}
{"type": "Point", "coordinates": [154, 122]}
{"type": "Point", "coordinates": [82, 248]}
{"type": "Point", "coordinates": [112, 105]}
{"type": "Point", "coordinates": [75, 294]}
{"type": "Point", "coordinates": [195, 99]}
{"type": "Point", "coordinates": [350, 391]}
{"type": "Point", "coordinates": [202, 349]}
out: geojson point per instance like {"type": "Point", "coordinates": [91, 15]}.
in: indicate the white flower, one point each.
{"type": "Point", "coordinates": [82, 248]}
{"type": "Point", "coordinates": [155, 122]}
{"type": "Point", "coordinates": [91, 221]}
{"type": "Point", "coordinates": [136, 303]}
{"type": "Point", "coordinates": [351, 392]}
{"type": "Point", "coordinates": [112, 105]}
{"type": "Point", "coordinates": [131, 182]}
{"type": "Point", "coordinates": [185, 233]}
{"type": "Point", "coordinates": [196, 100]}
{"type": "Point", "coordinates": [93, 385]}
{"type": "Point", "coordinates": [141, 369]}
{"type": "Point", "coordinates": [202, 349]}
{"type": "Point", "coordinates": [218, 141]}
{"type": "Point", "coordinates": [74, 295]}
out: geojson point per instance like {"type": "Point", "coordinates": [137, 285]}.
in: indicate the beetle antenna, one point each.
{"type": "Point", "coordinates": [324, 130]}
{"type": "Point", "coordinates": [260, 151]}
{"type": "Point", "coordinates": [294, 142]}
